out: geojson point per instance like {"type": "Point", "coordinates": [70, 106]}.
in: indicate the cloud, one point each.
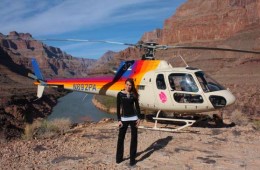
{"type": "Point", "coordinates": [61, 16]}
{"type": "Point", "coordinates": [114, 20]}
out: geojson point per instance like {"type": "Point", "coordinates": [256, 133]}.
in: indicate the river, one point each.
{"type": "Point", "coordinates": [73, 106]}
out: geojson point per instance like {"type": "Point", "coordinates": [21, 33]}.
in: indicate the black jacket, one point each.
{"type": "Point", "coordinates": [127, 106]}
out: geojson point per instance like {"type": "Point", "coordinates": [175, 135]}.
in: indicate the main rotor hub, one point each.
{"type": "Point", "coordinates": [149, 48]}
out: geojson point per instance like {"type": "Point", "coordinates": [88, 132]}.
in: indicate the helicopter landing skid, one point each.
{"type": "Point", "coordinates": [188, 123]}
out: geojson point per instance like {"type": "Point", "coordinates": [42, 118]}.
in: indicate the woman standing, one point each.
{"type": "Point", "coordinates": [128, 113]}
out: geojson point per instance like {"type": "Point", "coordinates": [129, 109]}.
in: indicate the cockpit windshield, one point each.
{"type": "Point", "coordinates": [182, 82]}
{"type": "Point", "coordinates": [207, 83]}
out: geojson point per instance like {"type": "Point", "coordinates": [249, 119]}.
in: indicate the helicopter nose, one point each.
{"type": "Point", "coordinates": [230, 98]}
{"type": "Point", "coordinates": [221, 98]}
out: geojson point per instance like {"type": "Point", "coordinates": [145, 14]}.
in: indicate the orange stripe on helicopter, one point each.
{"type": "Point", "coordinates": [136, 71]}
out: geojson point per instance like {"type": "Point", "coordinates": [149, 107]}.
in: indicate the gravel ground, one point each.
{"type": "Point", "coordinates": [93, 145]}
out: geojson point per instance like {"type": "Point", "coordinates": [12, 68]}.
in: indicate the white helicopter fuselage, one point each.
{"type": "Point", "coordinates": [161, 89]}
{"type": "Point", "coordinates": [160, 86]}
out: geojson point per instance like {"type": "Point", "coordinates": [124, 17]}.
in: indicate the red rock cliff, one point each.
{"type": "Point", "coordinates": [208, 20]}
{"type": "Point", "coordinates": [17, 92]}
{"type": "Point", "coordinates": [53, 61]}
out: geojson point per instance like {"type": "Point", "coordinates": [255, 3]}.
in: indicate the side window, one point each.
{"type": "Point", "coordinates": [182, 82]}
{"type": "Point", "coordinates": [160, 82]}
{"type": "Point", "coordinates": [187, 98]}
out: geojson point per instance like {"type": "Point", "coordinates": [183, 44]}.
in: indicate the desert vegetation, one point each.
{"type": "Point", "coordinates": [239, 118]}
{"type": "Point", "coordinates": [105, 103]}
{"type": "Point", "coordinates": [41, 129]}
{"type": "Point", "coordinates": [256, 125]}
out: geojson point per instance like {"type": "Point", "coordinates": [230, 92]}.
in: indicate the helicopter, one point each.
{"type": "Point", "coordinates": [160, 86]}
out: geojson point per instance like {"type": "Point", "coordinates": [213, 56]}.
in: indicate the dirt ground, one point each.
{"type": "Point", "coordinates": [93, 146]}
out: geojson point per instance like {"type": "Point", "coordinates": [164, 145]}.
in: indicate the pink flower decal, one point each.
{"type": "Point", "coordinates": [163, 97]}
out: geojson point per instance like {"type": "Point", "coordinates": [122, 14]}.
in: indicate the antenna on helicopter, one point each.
{"type": "Point", "coordinates": [184, 61]}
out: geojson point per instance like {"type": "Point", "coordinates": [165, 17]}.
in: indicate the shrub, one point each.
{"type": "Point", "coordinates": [61, 125]}
{"type": "Point", "coordinates": [108, 101]}
{"type": "Point", "coordinates": [30, 129]}
{"type": "Point", "coordinates": [239, 118]}
{"type": "Point", "coordinates": [256, 125]}
{"type": "Point", "coordinates": [46, 129]}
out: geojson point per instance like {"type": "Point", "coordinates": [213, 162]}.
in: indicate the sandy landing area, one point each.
{"type": "Point", "coordinates": [93, 145]}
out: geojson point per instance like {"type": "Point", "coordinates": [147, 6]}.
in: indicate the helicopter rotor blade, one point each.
{"type": "Point", "coordinates": [153, 46]}
{"type": "Point", "coordinates": [74, 40]}
{"type": "Point", "coordinates": [210, 48]}
{"type": "Point", "coordinates": [81, 40]}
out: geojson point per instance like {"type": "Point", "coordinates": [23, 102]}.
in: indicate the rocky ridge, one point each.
{"type": "Point", "coordinates": [101, 66]}
{"type": "Point", "coordinates": [202, 21]}
{"type": "Point", "coordinates": [17, 92]}
{"type": "Point", "coordinates": [211, 20]}
{"type": "Point", "coordinates": [21, 47]}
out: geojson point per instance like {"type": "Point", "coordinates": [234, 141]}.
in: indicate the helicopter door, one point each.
{"type": "Point", "coordinates": [185, 92]}
{"type": "Point", "coordinates": [162, 96]}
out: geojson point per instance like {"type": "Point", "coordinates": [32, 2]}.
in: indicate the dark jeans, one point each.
{"type": "Point", "coordinates": [121, 138]}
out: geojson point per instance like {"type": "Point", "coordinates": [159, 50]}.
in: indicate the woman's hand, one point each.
{"type": "Point", "coordinates": [137, 122]}
{"type": "Point", "coordinates": [120, 124]}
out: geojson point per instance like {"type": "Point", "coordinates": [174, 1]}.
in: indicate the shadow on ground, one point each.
{"type": "Point", "coordinates": [157, 145]}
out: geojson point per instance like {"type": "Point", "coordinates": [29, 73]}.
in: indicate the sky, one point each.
{"type": "Point", "coordinates": [110, 20]}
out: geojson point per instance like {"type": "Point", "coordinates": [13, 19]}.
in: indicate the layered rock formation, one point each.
{"type": "Point", "coordinates": [17, 92]}
{"type": "Point", "coordinates": [53, 62]}
{"type": "Point", "coordinates": [207, 20]}
{"type": "Point", "coordinates": [101, 66]}
{"type": "Point", "coordinates": [153, 36]}
{"type": "Point", "coordinates": [17, 99]}
{"type": "Point", "coordinates": [210, 20]}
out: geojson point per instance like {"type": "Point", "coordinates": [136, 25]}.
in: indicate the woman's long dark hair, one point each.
{"type": "Point", "coordinates": [133, 90]}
